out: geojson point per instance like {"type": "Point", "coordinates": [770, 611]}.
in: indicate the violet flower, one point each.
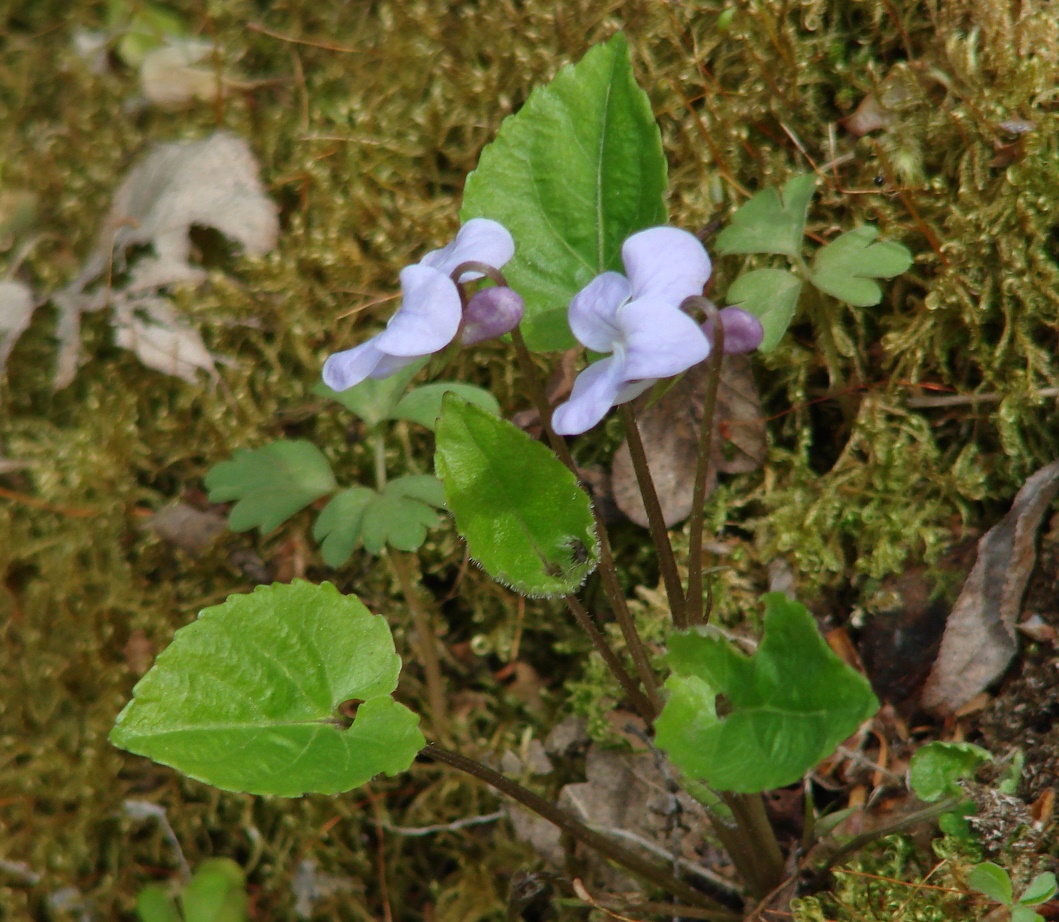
{"type": "Point", "coordinates": [431, 307]}
{"type": "Point", "coordinates": [743, 332]}
{"type": "Point", "coordinates": [636, 318]}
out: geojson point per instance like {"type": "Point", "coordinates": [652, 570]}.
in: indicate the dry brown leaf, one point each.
{"type": "Point", "coordinates": [151, 328]}
{"type": "Point", "coordinates": [980, 639]}
{"type": "Point", "coordinates": [670, 432]}
{"type": "Point", "coordinates": [188, 528]}
{"type": "Point", "coordinates": [209, 183]}
{"type": "Point", "coordinates": [625, 795]}
{"type": "Point", "coordinates": [16, 309]}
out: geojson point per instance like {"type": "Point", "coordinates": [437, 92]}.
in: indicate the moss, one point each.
{"type": "Point", "coordinates": [366, 119]}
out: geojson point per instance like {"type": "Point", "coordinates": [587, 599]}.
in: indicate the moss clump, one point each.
{"type": "Point", "coordinates": [366, 119]}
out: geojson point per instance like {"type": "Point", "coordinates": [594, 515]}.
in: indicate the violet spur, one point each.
{"type": "Point", "coordinates": [637, 319]}
{"type": "Point", "coordinates": [431, 307]}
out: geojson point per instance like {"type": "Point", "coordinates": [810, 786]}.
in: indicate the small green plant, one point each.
{"type": "Point", "coordinates": [994, 882]}
{"type": "Point", "coordinates": [289, 690]}
{"type": "Point", "coordinates": [216, 892]}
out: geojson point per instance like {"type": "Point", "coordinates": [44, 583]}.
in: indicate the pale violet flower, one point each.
{"type": "Point", "coordinates": [638, 320]}
{"type": "Point", "coordinates": [431, 307]}
{"type": "Point", "coordinates": [743, 332]}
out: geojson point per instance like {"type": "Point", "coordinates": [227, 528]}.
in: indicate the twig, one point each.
{"type": "Point", "coordinates": [960, 400]}
{"type": "Point", "coordinates": [573, 827]}
{"type": "Point", "coordinates": [413, 831]}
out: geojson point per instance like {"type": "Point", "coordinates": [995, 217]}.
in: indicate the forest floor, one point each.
{"type": "Point", "coordinates": [898, 435]}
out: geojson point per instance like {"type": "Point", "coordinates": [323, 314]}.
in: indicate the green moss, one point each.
{"type": "Point", "coordinates": [366, 119]}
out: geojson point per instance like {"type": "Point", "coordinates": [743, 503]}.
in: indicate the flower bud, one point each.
{"type": "Point", "coordinates": [743, 332]}
{"type": "Point", "coordinates": [491, 312]}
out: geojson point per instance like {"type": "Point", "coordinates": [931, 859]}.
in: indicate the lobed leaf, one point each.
{"type": "Point", "coordinates": [847, 267]}
{"type": "Point", "coordinates": [787, 706]}
{"type": "Point", "coordinates": [338, 527]}
{"type": "Point", "coordinates": [577, 170]}
{"type": "Point", "coordinates": [526, 520]}
{"type": "Point", "coordinates": [771, 295]}
{"type": "Point", "coordinates": [247, 697]}
{"type": "Point", "coordinates": [271, 483]}
{"type": "Point", "coordinates": [402, 514]}
{"type": "Point", "coordinates": [934, 769]}
{"type": "Point", "coordinates": [771, 221]}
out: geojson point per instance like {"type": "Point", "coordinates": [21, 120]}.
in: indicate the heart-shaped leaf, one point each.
{"type": "Point", "coordinates": [271, 483]}
{"type": "Point", "coordinates": [847, 267]}
{"type": "Point", "coordinates": [524, 517]}
{"type": "Point", "coordinates": [785, 708]}
{"type": "Point", "coordinates": [571, 175]}
{"type": "Point", "coordinates": [771, 221]}
{"type": "Point", "coordinates": [247, 697]}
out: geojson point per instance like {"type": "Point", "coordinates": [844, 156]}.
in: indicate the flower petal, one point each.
{"type": "Point", "coordinates": [479, 240]}
{"type": "Point", "coordinates": [491, 312]}
{"type": "Point", "coordinates": [594, 393]}
{"type": "Point", "coordinates": [593, 309]}
{"type": "Point", "coordinates": [661, 341]}
{"type": "Point", "coordinates": [743, 332]}
{"type": "Point", "coordinates": [391, 364]}
{"type": "Point", "coordinates": [666, 263]}
{"type": "Point", "coordinates": [428, 317]}
{"type": "Point", "coordinates": [347, 369]}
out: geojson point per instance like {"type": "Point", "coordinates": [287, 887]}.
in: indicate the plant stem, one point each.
{"type": "Point", "coordinates": [607, 570]}
{"type": "Point", "coordinates": [762, 867]}
{"type": "Point", "coordinates": [632, 690]}
{"type": "Point", "coordinates": [642, 867]}
{"type": "Point", "coordinates": [740, 822]}
{"type": "Point", "coordinates": [702, 467]}
{"type": "Point", "coordinates": [899, 824]}
{"type": "Point", "coordinates": [667, 562]}
{"type": "Point", "coordinates": [427, 643]}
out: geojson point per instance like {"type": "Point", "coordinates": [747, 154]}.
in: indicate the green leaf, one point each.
{"type": "Point", "coordinates": [935, 768]}
{"type": "Point", "coordinates": [423, 405]}
{"type": "Point", "coordinates": [373, 401]}
{"type": "Point", "coordinates": [771, 295]}
{"type": "Point", "coordinates": [339, 525]}
{"type": "Point", "coordinates": [847, 266]}
{"type": "Point", "coordinates": [401, 515]}
{"type": "Point", "coordinates": [271, 483]}
{"type": "Point", "coordinates": [992, 880]}
{"type": "Point", "coordinates": [771, 221]}
{"type": "Point", "coordinates": [1041, 889]}
{"type": "Point", "coordinates": [786, 707]}
{"type": "Point", "coordinates": [143, 27]}
{"type": "Point", "coordinates": [524, 517]}
{"type": "Point", "coordinates": [247, 697]}
{"type": "Point", "coordinates": [954, 823]}
{"type": "Point", "coordinates": [1025, 914]}
{"type": "Point", "coordinates": [217, 893]}
{"type": "Point", "coordinates": [154, 904]}
{"type": "Point", "coordinates": [571, 175]}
